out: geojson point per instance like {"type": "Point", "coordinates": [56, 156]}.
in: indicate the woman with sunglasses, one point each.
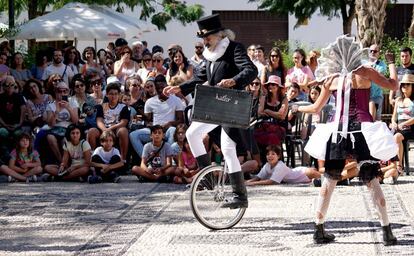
{"type": "Point", "coordinates": [158, 63]}
{"type": "Point", "coordinates": [134, 86]}
{"type": "Point", "coordinates": [71, 59]}
{"type": "Point", "coordinates": [125, 67]}
{"type": "Point", "coordinates": [79, 97]}
{"type": "Point", "coordinates": [402, 120]}
{"type": "Point", "coordinates": [147, 66]}
{"type": "Point", "coordinates": [95, 83]}
{"type": "Point", "coordinates": [275, 66]}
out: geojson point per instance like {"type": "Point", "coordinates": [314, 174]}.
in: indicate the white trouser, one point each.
{"type": "Point", "coordinates": [195, 134]}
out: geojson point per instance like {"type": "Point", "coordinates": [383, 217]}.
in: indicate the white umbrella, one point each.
{"type": "Point", "coordinates": [76, 21]}
{"type": "Point", "coordinates": [3, 26]}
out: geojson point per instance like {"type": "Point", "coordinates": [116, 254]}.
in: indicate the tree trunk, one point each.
{"type": "Point", "coordinates": [411, 29]}
{"type": "Point", "coordinates": [348, 16]}
{"type": "Point", "coordinates": [370, 16]}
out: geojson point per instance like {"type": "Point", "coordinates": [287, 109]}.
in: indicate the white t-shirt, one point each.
{"type": "Point", "coordinates": [52, 69]}
{"type": "Point", "coordinates": [63, 118]}
{"type": "Point", "coordinates": [163, 111]}
{"type": "Point", "coordinates": [283, 173]}
{"type": "Point", "coordinates": [106, 155]}
{"type": "Point", "coordinates": [76, 151]}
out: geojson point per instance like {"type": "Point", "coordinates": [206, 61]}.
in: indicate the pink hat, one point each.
{"type": "Point", "coordinates": [274, 80]}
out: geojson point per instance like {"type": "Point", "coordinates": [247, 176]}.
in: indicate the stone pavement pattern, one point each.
{"type": "Point", "coordinates": [132, 218]}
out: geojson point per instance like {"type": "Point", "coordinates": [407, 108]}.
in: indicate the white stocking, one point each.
{"type": "Point", "coordinates": [379, 201]}
{"type": "Point", "coordinates": [324, 198]}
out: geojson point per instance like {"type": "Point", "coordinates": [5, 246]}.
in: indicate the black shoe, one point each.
{"type": "Point", "coordinates": [320, 236]}
{"type": "Point", "coordinates": [203, 161]}
{"type": "Point", "coordinates": [317, 183]}
{"type": "Point", "coordinates": [239, 198]}
{"type": "Point", "coordinates": [388, 237]}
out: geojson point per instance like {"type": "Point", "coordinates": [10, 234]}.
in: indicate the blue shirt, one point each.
{"type": "Point", "coordinates": [376, 90]}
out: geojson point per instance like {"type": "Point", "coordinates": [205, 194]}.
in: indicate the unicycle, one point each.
{"type": "Point", "coordinates": [207, 194]}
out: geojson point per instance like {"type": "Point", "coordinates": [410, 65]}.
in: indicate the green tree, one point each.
{"type": "Point", "coordinates": [304, 9]}
{"type": "Point", "coordinates": [160, 12]}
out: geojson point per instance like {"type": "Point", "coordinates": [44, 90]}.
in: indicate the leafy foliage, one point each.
{"type": "Point", "coordinates": [159, 12]}
{"type": "Point", "coordinates": [304, 9]}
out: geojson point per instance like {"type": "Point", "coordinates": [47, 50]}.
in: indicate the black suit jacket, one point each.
{"type": "Point", "coordinates": [233, 64]}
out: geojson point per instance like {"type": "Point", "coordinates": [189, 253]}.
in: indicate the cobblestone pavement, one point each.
{"type": "Point", "coordinates": [132, 218]}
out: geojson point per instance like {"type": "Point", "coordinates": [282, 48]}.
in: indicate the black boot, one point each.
{"type": "Point", "coordinates": [388, 237]}
{"type": "Point", "coordinates": [203, 161]}
{"type": "Point", "coordinates": [239, 199]}
{"type": "Point", "coordinates": [320, 236]}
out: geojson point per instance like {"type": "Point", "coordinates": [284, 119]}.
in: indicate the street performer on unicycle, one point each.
{"type": "Point", "coordinates": [227, 66]}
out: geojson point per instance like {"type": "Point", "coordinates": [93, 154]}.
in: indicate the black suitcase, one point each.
{"type": "Point", "coordinates": [222, 106]}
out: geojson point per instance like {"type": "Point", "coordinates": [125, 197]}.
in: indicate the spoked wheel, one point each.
{"type": "Point", "coordinates": [208, 191]}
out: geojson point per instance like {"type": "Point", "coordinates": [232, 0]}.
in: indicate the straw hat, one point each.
{"type": "Point", "coordinates": [407, 79]}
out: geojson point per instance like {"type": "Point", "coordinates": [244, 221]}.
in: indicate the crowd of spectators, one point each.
{"type": "Point", "coordinates": [95, 115]}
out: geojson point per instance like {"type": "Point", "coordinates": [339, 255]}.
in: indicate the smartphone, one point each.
{"type": "Point", "coordinates": [65, 97]}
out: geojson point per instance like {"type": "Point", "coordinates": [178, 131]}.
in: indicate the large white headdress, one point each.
{"type": "Point", "coordinates": [342, 56]}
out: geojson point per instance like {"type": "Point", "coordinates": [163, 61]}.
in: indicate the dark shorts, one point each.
{"type": "Point", "coordinates": [356, 148]}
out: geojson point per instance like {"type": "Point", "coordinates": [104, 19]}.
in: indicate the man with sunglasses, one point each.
{"type": "Point", "coordinates": [376, 95]}
{"type": "Point", "coordinates": [198, 61]}
{"type": "Point", "coordinates": [12, 112]}
{"type": "Point", "coordinates": [227, 66]}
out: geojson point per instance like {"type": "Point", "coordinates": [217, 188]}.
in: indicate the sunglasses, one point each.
{"type": "Point", "coordinates": [147, 60]}
{"type": "Point", "coordinates": [135, 85]}
{"type": "Point", "coordinates": [255, 83]}
{"type": "Point", "coordinates": [199, 47]}
{"type": "Point", "coordinates": [405, 85]}
{"type": "Point", "coordinates": [156, 60]}
{"type": "Point", "coordinates": [57, 80]}
{"type": "Point", "coordinates": [96, 82]}
{"type": "Point", "coordinates": [10, 85]}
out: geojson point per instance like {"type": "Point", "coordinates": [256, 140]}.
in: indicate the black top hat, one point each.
{"type": "Point", "coordinates": [209, 25]}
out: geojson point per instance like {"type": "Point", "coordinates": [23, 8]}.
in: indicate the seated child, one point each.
{"type": "Point", "coordinates": [106, 160]}
{"type": "Point", "coordinates": [276, 172]}
{"type": "Point", "coordinates": [76, 157]}
{"type": "Point", "coordinates": [187, 165]}
{"type": "Point", "coordinates": [24, 163]}
{"type": "Point", "coordinates": [156, 159]}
